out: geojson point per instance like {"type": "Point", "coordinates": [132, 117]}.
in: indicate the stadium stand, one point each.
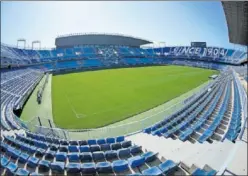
{"type": "Point", "coordinates": [212, 118]}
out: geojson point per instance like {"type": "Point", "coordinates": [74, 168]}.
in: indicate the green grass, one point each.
{"type": "Point", "coordinates": [99, 98]}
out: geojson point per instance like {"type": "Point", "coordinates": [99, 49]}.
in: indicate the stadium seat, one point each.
{"type": "Point", "coordinates": [152, 171]}
{"type": "Point", "coordinates": [126, 144]}
{"type": "Point", "coordinates": [115, 146]}
{"type": "Point", "coordinates": [73, 142]}
{"type": "Point", "coordinates": [73, 157]}
{"type": "Point", "coordinates": [73, 168]}
{"type": "Point", "coordinates": [120, 165]}
{"type": "Point", "coordinates": [110, 140]}
{"type": "Point", "coordinates": [92, 142]}
{"type": "Point", "coordinates": [86, 157]}
{"type": "Point", "coordinates": [58, 167]}
{"type": "Point", "coordinates": [32, 162]}
{"type": "Point", "coordinates": [104, 167]}
{"type": "Point", "coordinates": [111, 154]}
{"type": "Point", "coordinates": [94, 148]}
{"type": "Point", "coordinates": [124, 153]}
{"type": "Point", "coordinates": [73, 148]}
{"type": "Point", "coordinates": [61, 156]}
{"type": "Point", "coordinates": [22, 172]}
{"type": "Point", "coordinates": [101, 141]}
{"type": "Point", "coordinates": [11, 168]}
{"type": "Point", "coordinates": [136, 161]}
{"type": "Point", "coordinates": [84, 148]}
{"type": "Point", "coordinates": [149, 156]}
{"type": "Point", "coordinates": [44, 165]}
{"type": "Point", "coordinates": [98, 156]}
{"type": "Point", "coordinates": [135, 149]}
{"type": "Point", "coordinates": [88, 168]}
{"type": "Point", "coordinates": [105, 147]}
{"type": "Point", "coordinates": [23, 158]}
{"type": "Point", "coordinates": [4, 161]}
{"type": "Point", "coordinates": [120, 139]}
{"type": "Point", "coordinates": [167, 166]}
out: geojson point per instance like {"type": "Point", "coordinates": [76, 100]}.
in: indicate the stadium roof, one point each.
{"type": "Point", "coordinates": [236, 13]}
{"type": "Point", "coordinates": [98, 39]}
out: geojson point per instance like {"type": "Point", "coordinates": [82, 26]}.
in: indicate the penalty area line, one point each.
{"type": "Point", "coordinates": [73, 109]}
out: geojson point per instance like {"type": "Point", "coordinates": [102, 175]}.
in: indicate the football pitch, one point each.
{"type": "Point", "coordinates": [98, 98]}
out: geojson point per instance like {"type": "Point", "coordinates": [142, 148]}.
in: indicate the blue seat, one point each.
{"type": "Point", "coordinates": [120, 165]}
{"type": "Point", "coordinates": [115, 146]}
{"type": "Point", "coordinates": [167, 166]}
{"type": "Point", "coordinates": [152, 171]}
{"type": "Point", "coordinates": [32, 149]}
{"type": "Point", "coordinates": [136, 161]}
{"type": "Point", "coordinates": [205, 136]}
{"type": "Point", "coordinates": [73, 157]}
{"type": "Point", "coordinates": [73, 168]}
{"type": "Point", "coordinates": [135, 149]}
{"type": "Point", "coordinates": [32, 162]}
{"type": "Point", "coordinates": [4, 161]}
{"type": "Point", "coordinates": [111, 154]}
{"type": "Point", "coordinates": [101, 141]}
{"type": "Point", "coordinates": [22, 172]}
{"type": "Point", "coordinates": [199, 172]}
{"type": "Point", "coordinates": [126, 144]}
{"type": "Point", "coordinates": [94, 148]}
{"type": "Point", "coordinates": [73, 142]}
{"type": "Point", "coordinates": [63, 142]}
{"type": "Point", "coordinates": [54, 147]}
{"type": "Point", "coordinates": [104, 167]}
{"type": "Point", "coordinates": [147, 130]}
{"type": "Point", "coordinates": [11, 167]}
{"type": "Point", "coordinates": [61, 156]}
{"type": "Point", "coordinates": [25, 147]}
{"type": "Point", "coordinates": [88, 168]}
{"type": "Point", "coordinates": [124, 153]}
{"type": "Point", "coordinates": [23, 158]}
{"type": "Point", "coordinates": [149, 156]}
{"type": "Point", "coordinates": [14, 153]}
{"type": "Point", "coordinates": [92, 142]}
{"type": "Point", "coordinates": [105, 147]}
{"type": "Point", "coordinates": [110, 140]}
{"type": "Point", "coordinates": [73, 148]}
{"type": "Point", "coordinates": [84, 148]}
{"type": "Point", "coordinates": [63, 148]}
{"type": "Point", "coordinates": [58, 167]}
{"type": "Point", "coordinates": [98, 156]}
{"type": "Point", "coordinates": [44, 165]}
{"type": "Point", "coordinates": [120, 138]}
{"type": "Point", "coordinates": [82, 142]}
{"type": "Point", "coordinates": [40, 152]}
{"type": "Point", "coordinates": [50, 154]}
{"type": "Point", "coordinates": [184, 136]}
{"type": "Point", "coordinates": [86, 157]}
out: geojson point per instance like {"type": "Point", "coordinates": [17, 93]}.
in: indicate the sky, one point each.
{"type": "Point", "coordinates": [172, 22]}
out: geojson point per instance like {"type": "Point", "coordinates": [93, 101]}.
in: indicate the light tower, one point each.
{"type": "Point", "coordinates": [34, 42]}
{"type": "Point", "coordinates": [21, 40]}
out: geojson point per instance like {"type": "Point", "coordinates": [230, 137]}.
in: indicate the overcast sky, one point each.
{"type": "Point", "coordinates": [175, 23]}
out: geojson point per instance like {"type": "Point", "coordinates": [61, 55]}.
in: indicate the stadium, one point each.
{"type": "Point", "coordinates": [114, 104]}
